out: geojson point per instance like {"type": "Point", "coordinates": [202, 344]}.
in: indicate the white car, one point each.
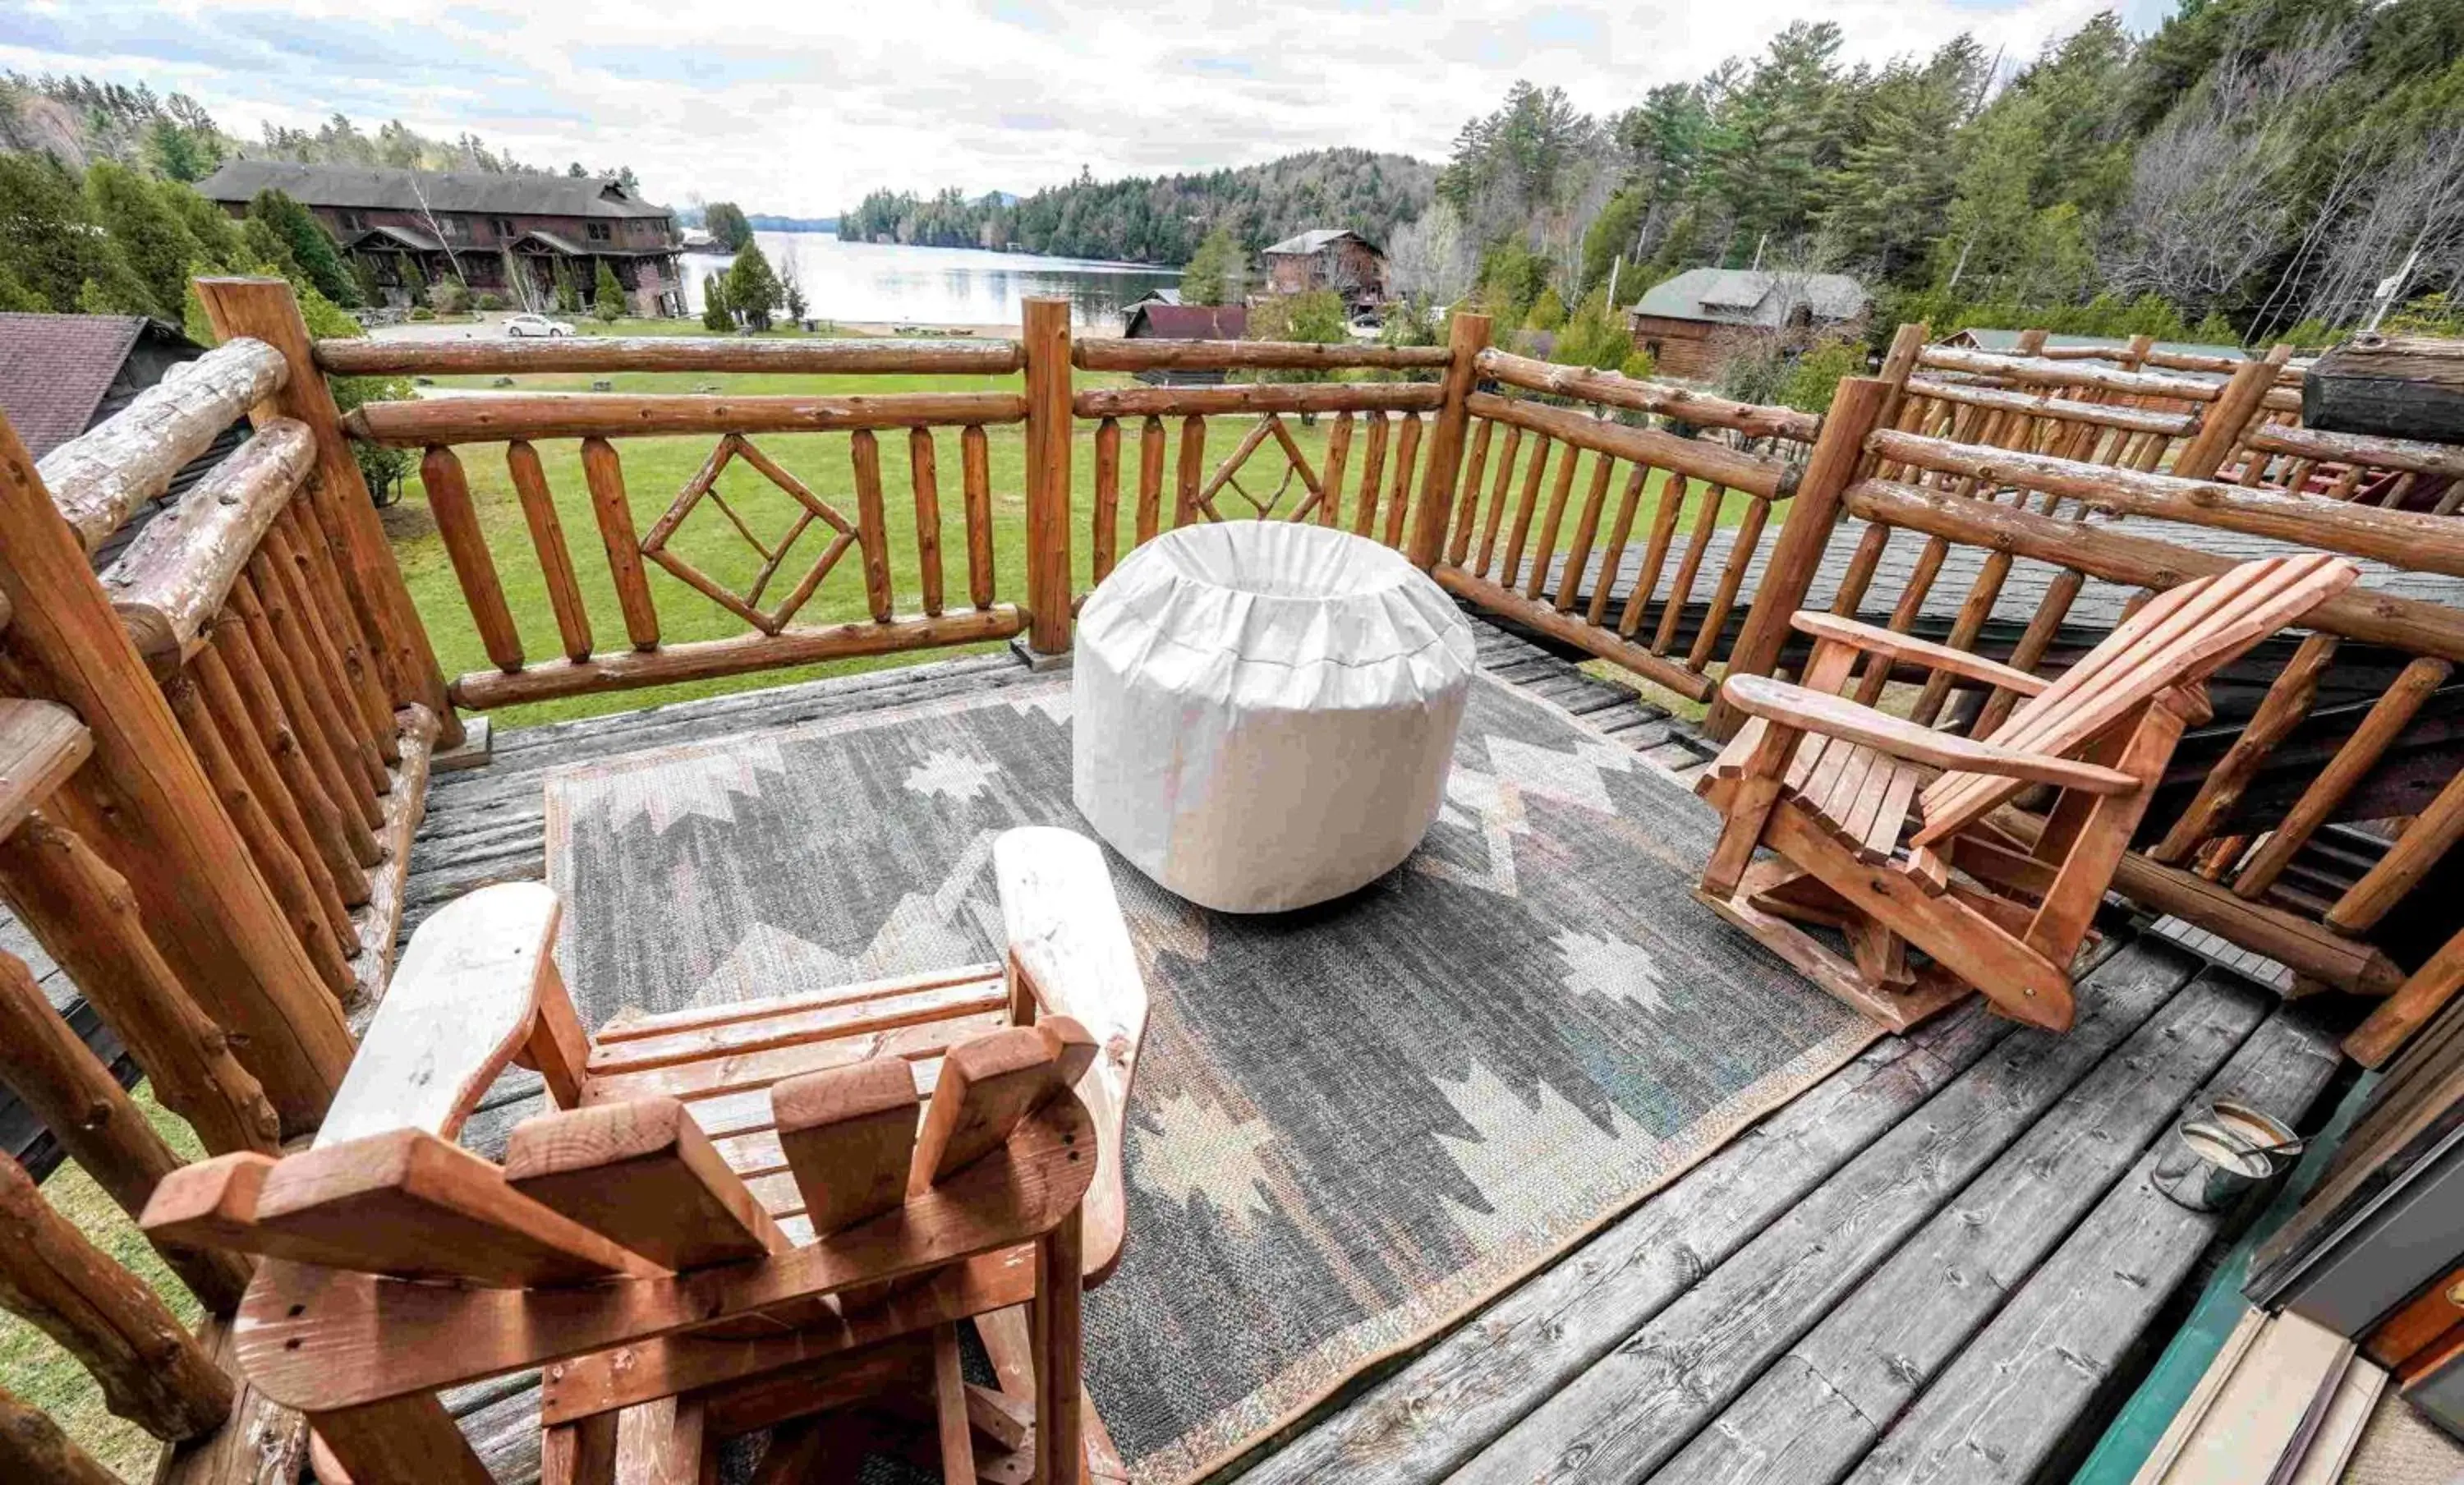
{"type": "Point", "coordinates": [537, 325]}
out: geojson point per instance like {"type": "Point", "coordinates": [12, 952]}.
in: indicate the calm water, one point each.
{"type": "Point", "coordinates": [863, 280]}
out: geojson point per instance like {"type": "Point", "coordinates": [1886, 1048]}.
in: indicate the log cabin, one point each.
{"type": "Point", "coordinates": [1328, 257]}
{"type": "Point", "coordinates": [1689, 324]}
{"type": "Point", "coordinates": [503, 233]}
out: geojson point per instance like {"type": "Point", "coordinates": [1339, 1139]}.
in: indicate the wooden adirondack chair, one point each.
{"type": "Point", "coordinates": [738, 1218]}
{"type": "Point", "coordinates": [1832, 786]}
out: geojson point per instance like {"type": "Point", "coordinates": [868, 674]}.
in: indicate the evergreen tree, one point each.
{"type": "Point", "coordinates": [54, 247]}
{"type": "Point", "coordinates": [1612, 234]}
{"type": "Point", "coordinates": [217, 235]}
{"type": "Point", "coordinates": [608, 295]}
{"type": "Point", "coordinates": [752, 288]}
{"type": "Point", "coordinates": [314, 252]}
{"type": "Point", "coordinates": [715, 312]}
{"type": "Point", "coordinates": [569, 298]}
{"type": "Point", "coordinates": [727, 226]}
{"type": "Point", "coordinates": [1884, 202]}
{"type": "Point", "coordinates": [155, 240]}
{"type": "Point", "coordinates": [14, 295]}
{"type": "Point", "coordinates": [1213, 274]}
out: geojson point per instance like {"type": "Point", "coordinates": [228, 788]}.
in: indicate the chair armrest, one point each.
{"type": "Point", "coordinates": [1876, 640]}
{"type": "Point", "coordinates": [1070, 948]}
{"type": "Point", "coordinates": [462, 1005]}
{"type": "Point", "coordinates": [1784, 705]}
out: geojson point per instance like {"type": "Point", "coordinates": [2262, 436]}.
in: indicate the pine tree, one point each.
{"type": "Point", "coordinates": [715, 314]}
{"type": "Point", "coordinates": [1213, 275]}
{"type": "Point", "coordinates": [311, 248]}
{"type": "Point", "coordinates": [156, 242]}
{"type": "Point", "coordinates": [727, 226]}
{"type": "Point", "coordinates": [608, 295]}
{"type": "Point", "coordinates": [752, 288]}
{"type": "Point", "coordinates": [51, 240]}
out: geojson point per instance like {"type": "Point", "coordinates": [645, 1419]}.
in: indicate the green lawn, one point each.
{"type": "Point", "coordinates": [657, 468]}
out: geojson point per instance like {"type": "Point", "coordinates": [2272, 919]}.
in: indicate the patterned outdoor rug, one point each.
{"type": "Point", "coordinates": [1352, 1124]}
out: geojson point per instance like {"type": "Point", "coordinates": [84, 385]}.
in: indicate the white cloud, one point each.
{"type": "Point", "coordinates": [788, 106]}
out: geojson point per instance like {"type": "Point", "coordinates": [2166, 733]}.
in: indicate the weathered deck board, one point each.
{"type": "Point", "coordinates": [1933, 1180]}
{"type": "Point", "coordinates": [1634, 1406]}
{"type": "Point", "coordinates": [1428, 1419]}
{"type": "Point", "coordinates": [1816, 1414]}
{"type": "Point", "coordinates": [2006, 1410]}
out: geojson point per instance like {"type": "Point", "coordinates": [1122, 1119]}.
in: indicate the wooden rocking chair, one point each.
{"type": "Point", "coordinates": [738, 1220]}
{"type": "Point", "coordinates": [1829, 787]}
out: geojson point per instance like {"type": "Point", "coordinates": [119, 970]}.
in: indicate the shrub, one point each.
{"type": "Point", "coordinates": [450, 295]}
{"type": "Point", "coordinates": [1638, 366]}
{"type": "Point", "coordinates": [1815, 375]}
{"type": "Point", "coordinates": [489, 301]}
{"type": "Point", "coordinates": [422, 312]}
{"type": "Point", "coordinates": [1548, 311]}
{"type": "Point", "coordinates": [608, 295]}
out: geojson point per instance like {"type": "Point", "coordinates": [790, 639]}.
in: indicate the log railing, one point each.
{"type": "Point", "coordinates": [610, 652]}
{"type": "Point", "coordinates": [212, 755]}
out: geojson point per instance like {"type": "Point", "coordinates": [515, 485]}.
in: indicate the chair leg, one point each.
{"type": "Point", "coordinates": [1059, 1353]}
{"type": "Point", "coordinates": [950, 1408]}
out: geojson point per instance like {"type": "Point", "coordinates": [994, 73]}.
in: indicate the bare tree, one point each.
{"type": "Point", "coordinates": [2210, 201]}
{"type": "Point", "coordinates": [1433, 259]}
{"type": "Point", "coordinates": [2412, 212]}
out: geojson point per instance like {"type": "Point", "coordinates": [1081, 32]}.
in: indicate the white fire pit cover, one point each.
{"type": "Point", "coordinates": [1265, 711]}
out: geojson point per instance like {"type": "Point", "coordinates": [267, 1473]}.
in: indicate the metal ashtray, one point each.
{"type": "Point", "coordinates": [2221, 1150]}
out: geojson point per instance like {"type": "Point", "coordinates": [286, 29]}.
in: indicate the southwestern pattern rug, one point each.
{"type": "Point", "coordinates": [1353, 1125]}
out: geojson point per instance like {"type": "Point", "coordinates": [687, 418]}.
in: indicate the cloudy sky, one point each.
{"type": "Point", "coordinates": [797, 106]}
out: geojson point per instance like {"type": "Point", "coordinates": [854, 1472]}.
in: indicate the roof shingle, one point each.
{"type": "Point", "coordinates": [55, 368]}
{"type": "Point", "coordinates": [368, 188]}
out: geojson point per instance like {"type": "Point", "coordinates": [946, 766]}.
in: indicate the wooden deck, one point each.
{"type": "Point", "coordinates": [1944, 1263]}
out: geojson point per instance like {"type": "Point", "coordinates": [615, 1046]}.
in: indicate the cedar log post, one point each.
{"type": "Point", "coordinates": [152, 1371]}
{"type": "Point", "coordinates": [1467, 337]}
{"type": "Point", "coordinates": [33, 1448]}
{"type": "Point", "coordinates": [264, 309]}
{"type": "Point", "coordinates": [1855, 408]}
{"type": "Point", "coordinates": [83, 915]}
{"type": "Point", "coordinates": [96, 1120]}
{"type": "Point", "coordinates": [1048, 418]}
{"type": "Point", "coordinates": [2222, 421]}
{"type": "Point", "coordinates": [146, 798]}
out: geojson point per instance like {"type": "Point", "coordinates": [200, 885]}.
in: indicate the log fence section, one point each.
{"type": "Point", "coordinates": [211, 755]}
{"type": "Point", "coordinates": [793, 562]}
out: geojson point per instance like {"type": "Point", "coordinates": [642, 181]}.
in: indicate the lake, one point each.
{"type": "Point", "coordinates": [866, 280]}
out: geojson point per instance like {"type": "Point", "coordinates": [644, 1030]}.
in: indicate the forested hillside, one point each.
{"type": "Point", "coordinates": [77, 121]}
{"type": "Point", "coordinates": [1162, 220]}
{"type": "Point", "coordinates": [2253, 168]}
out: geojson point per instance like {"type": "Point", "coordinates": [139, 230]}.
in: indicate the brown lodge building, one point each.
{"type": "Point", "coordinates": [502, 234]}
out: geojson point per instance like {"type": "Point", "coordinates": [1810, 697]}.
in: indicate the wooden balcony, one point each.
{"type": "Point", "coordinates": [1944, 1261]}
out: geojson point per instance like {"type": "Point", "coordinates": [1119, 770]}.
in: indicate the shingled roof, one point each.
{"type": "Point", "coordinates": [55, 370]}
{"type": "Point", "coordinates": [367, 187]}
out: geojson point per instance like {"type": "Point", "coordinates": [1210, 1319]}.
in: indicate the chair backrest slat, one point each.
{"type": "Point", "coordinates": [2180, 638]}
